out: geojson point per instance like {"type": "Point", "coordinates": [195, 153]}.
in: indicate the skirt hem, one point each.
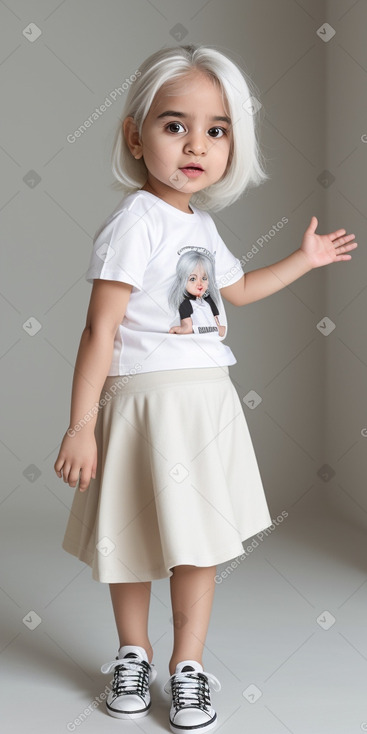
{"type": "Point", "coordinates": [83, 555]}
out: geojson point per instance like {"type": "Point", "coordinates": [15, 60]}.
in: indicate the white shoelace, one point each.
{"type": "Point", "coordinates": [191, 689]}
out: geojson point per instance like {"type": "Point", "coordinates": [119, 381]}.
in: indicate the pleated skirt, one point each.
{"type": "Point", "coordinates": [177, 478]}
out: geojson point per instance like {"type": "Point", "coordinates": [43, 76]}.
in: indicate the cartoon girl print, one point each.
{"type": "Point", "coordinates": [195, 296]}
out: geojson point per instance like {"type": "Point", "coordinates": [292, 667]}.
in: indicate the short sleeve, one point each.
{"type": "Point", "coordinates": [185, 309]}
{"type": "Point", "coordinates": [213, 306]}
{"type": "Point", "coordinates": [121, 250]}
{"type": "Point", "coordinates": [228, 268]}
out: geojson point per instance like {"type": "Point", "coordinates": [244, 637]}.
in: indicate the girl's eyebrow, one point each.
{"type": "Point", "coordinates": [173, 113]}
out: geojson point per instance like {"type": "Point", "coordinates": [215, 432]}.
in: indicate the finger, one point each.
{"type": "Point", "coordinates": [347, 238]}
{"type": "Point", "coordinates": [344, 247]}
{"type": "Point", "coordinates": [313, 225]}
{"type": "Point", "coordinates": [66, 471]}
{"type": "Point", "coordinates": [339, 251]}
{"type": "Point", "coordinates": [58, 465]}
{"type": "Point", "coordinates": [73, 478]}
{"type": "Point", "coordinates": [84, 480]}
{"type": "Point", "coordinates": [349, 246]}
{"type": "Point", "coordinates": [338, 233]}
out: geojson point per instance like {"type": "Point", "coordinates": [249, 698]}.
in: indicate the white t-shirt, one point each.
{"type": "Point", "coordinates": [141, 243]}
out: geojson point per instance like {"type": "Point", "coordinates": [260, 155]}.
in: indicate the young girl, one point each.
{"type": "Point", "coordinates": [169, 484]}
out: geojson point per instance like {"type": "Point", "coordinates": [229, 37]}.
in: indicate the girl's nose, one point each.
{"type": "Point", "coordinates": [196, 144]}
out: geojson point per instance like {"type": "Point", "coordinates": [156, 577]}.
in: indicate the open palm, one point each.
{"type": "Point", "coordinates": [323, 249]}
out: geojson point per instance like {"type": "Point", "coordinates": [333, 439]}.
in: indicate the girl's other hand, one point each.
{"type": "Point", "coordinates": [326, 248]}
{"type": "Point", "coordinates": [77, 459]}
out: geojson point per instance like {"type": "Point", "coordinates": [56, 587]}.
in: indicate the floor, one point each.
{"type": "Point", "coordinates": [287, 638]}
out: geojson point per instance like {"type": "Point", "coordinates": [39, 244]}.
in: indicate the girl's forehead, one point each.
{"type": "Point", "coordinates": [192, 82]}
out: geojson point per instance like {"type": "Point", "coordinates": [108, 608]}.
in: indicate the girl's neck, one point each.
{"type": "Point", "coordinates": [170, 196]}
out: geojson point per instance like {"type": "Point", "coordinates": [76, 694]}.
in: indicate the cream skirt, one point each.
{"type": "Point", "coordinates": [177, 478]}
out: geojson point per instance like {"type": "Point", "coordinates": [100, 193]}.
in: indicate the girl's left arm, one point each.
{"type": "Point", "coordinates": [315, 251]}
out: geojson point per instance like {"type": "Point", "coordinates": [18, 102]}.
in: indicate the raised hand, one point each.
{"type": "Point", "coordinates": [323, 249]}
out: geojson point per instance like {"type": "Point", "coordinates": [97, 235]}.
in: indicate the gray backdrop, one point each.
{"type": "Point", "coordinates": [303, 351]}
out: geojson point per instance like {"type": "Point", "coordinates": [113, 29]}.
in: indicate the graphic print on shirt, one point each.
{"type": "Point", "coordinates": [194, 294]}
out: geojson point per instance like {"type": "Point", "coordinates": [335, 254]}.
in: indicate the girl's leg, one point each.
{"type": "Point", "coordinates": [131, 608]}
{"type": "Point", "coordinates": [192, 593]}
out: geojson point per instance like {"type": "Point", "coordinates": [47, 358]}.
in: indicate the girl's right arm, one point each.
{"type": "Point", "coordinates": [78, 450]}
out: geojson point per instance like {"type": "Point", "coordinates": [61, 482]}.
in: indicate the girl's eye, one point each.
{"type": "Point", "coordinates": [214, 132]}
{"type": "Point", "coordinates": [174, 125]}
{"type": "Point", "coordinates": [218, 132]}
{"type": "Point", "coordinates": [192, 278]}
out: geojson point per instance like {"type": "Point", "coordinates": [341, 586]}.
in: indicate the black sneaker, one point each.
{"type": "Point", "coordinates": [133, 674]}
{"type": "Point", "coordinates": [191, 709]}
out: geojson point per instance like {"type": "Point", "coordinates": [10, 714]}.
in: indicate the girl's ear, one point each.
{"type": "Point", "coordinates": [131, 135]}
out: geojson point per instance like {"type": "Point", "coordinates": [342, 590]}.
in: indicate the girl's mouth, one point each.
{"type": "Point", "coordinates": [191, 172]}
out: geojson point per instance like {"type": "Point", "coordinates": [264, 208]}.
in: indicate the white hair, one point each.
{"type": "Point", "coordinates": [244, 166]}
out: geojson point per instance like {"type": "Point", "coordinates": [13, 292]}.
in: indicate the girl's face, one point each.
{"type": "Point", "coordinates": [197, 282]}
{"type": "Point", "coordinates": [187, 125]}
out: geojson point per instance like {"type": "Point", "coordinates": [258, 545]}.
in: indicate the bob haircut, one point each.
{"type": "Point", "coordinates": [244, 166]}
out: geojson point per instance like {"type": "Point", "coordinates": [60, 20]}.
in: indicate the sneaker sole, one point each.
{"type": "Point", "coordinates": [177, 729]}
{"type": "Point", "coordinates": [127, 714]}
